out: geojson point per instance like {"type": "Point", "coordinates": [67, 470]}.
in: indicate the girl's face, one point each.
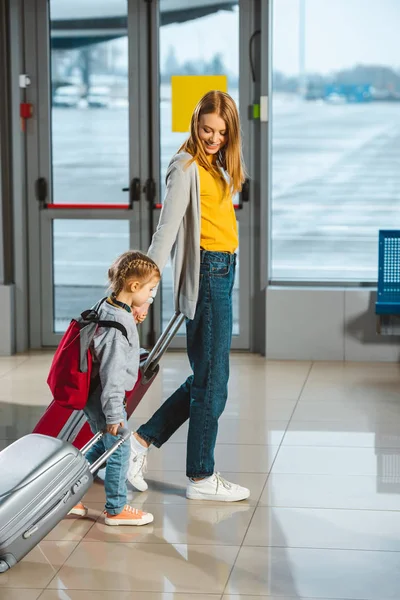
{"type": "Point", "coordinates": [212, 133]}
{"type": "Point", "coordinates": [142, 292]}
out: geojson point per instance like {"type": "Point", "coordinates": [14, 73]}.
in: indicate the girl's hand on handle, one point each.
{"type": "Point", "coordinates": [113, 429]}
{"type": "Point", "coordinates": [139, 314]}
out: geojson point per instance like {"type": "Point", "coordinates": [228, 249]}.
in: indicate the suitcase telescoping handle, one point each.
{"type": "Point", "coordinates": [163, 342]}
{"type": "Point", "coordinates": [123, 436]}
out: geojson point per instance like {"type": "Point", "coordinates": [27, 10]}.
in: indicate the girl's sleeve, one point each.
{"type": "Point", "coordinates": [113, 358]}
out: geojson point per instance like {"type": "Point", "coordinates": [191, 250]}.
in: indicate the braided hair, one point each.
{"type": "Point", "coordinates": [131, 265]}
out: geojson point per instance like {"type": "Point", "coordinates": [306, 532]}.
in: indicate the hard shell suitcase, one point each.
{"type": "Point", "coordinates": [71, 425]}
{"type": "Point", "coordinates": [42, 478]}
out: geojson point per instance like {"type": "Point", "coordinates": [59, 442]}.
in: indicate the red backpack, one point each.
{"type": "Point", "coordinates": [70, 372]}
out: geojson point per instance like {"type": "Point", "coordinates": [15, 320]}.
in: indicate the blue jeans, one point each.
{"type": "Point", "coordinates": [117, 464]}
{"type": "Point", "coordinates": [202, 397]}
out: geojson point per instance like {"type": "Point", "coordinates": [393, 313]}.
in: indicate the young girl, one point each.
{"type": "Point", "coordinates": [198, 223]}
{"type": "Point", "coordinates": [133, 277]}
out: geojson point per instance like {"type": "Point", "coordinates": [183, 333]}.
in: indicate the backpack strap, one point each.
{"type": "Point", "coordinates": [86, 336]}
{"type": "Point", "coordinates": [114, 324]}
{"type": "Point", "coordinates": [88, 324]}
{"type": "Point", "coordinates": [91, 315]}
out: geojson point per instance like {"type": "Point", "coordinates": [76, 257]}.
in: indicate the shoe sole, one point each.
{"type": "Point", "coordinates": [78, 513]}
{"type": "Point", "coordinates": [140, 487]}
{"type": "Point", "coordinates": [134, 522]}
{"type": "Point", "coordinates": [215, 497]}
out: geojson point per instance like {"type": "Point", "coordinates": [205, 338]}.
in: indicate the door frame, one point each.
{"type": "Point", "coordinates": [247, 17]}
{"type": "Point", "coordinates": [39, 156]}
{"type": "Point", "coordinates": [144, 127]}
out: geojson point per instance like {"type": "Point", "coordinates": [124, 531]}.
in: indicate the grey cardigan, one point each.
{"type": "Point", "coordinates": [178, 232]}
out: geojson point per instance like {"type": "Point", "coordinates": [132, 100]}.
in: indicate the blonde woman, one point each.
{"type": "Point", "coordinates": [198, 225]}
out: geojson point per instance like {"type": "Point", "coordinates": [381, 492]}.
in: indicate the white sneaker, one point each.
{"type": "Point", "coordinates": [137, 467]}
{"type": "Point", "coordinates": [216, 488]}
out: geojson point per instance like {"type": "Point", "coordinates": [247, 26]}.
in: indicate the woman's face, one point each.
{"type": "Point", "coordinates": [212, 133]}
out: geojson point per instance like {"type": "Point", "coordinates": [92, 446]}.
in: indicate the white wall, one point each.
{"type": "Point", "coordinates": [326, 324]}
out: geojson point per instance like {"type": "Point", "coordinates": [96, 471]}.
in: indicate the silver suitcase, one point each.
{"type": "Point", "coordinates": [41, 479]}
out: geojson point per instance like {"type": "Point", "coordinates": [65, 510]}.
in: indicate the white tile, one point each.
{"type": "Point", "coordinates": [337, 461]}
{"type": "Point", "coordinates": [325, 528]}
{"type": "Point", "coordinates": [343, 433]}
{"type": "Point", "coordinates": [19, 594]}
{"type": "Point", "coordinates": [316, 573]}
{"type": "Point", "coordinates": [333, 491]}
{"type": "Point", "coordinates": [63, 594]}
{"type": "Point", "coordinates": [9, 363]}
{"type": "Point", "coordinates": [223, 524]}
{"type": "Point", "coordinates": [147, 568]}
{"type": "Point", "coordinates": [363, 413]}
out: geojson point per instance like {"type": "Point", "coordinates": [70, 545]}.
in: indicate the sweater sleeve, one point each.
{"type": "Point", "coordinates": [174, 208]}
{"type": "Point", "coordinates": [113, 357]}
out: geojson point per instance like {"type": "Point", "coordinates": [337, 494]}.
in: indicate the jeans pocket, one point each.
{"type": "Point", "coordinates": [220, 269]}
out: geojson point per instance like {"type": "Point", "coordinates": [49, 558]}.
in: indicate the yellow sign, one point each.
{"type": "Point", "coordinates": [187, 90]}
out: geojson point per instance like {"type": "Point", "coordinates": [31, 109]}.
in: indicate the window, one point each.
{"type": "Point", "coordinates": [335, 136]}
{"type": "Point", "coordinates": [89, 97]}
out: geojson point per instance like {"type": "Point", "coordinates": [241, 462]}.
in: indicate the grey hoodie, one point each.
{"type": "Point", "coordinates": [118, 360]}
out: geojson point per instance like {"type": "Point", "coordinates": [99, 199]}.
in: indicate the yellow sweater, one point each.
{"type": "Point", "coordinates": [219, 231]}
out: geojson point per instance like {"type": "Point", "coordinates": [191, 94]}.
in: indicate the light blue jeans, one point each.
{"type": "Point", "coordinates": [117, 464]}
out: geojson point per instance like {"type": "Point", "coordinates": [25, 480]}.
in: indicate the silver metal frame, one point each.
{"type": "Point", "coordinates": [18, 173]}
{"type": "Point", "coordinates": [39, 148]}
{"type": "Point", "coordinates": [124, 435]}
{"type": "Point", "coordinates": [6, 250]}
{"type": "Point", "coordinates": [32, 19]}
{"type": "Point", "coordinates": [163, 342]}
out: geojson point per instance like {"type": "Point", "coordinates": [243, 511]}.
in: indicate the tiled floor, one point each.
{"type": "Point", "coordinates": [318, 444]}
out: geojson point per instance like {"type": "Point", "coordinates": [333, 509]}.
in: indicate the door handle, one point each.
{"type": "Point", "coordinates": [244, 194]}
{"type": "Point", "coordinates": [41, 190]}
{"type": "Point", "coordinates": [246, 190]}
{"type": "Point", "coordinates": [134, 191]}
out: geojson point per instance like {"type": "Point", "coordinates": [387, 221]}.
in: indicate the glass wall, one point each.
{"type": "Point", "coordinates": [335, 136]}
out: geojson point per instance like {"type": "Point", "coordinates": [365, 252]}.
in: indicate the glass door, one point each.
{"type": "Point", "coordinates": [102, 134]}
{"type": "Point", "coordinates": [198, 50]}
{"type": "Point", "coordinates": [88, 184]}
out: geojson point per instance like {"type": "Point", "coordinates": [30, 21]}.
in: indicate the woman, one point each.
{"type": "Point", "coordinates": [198, 224]}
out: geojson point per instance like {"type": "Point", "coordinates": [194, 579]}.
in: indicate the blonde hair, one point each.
{"type": "Point", "coordinates": [230, 156]}
{"type": "Point", "coordinates": [131, 265]}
